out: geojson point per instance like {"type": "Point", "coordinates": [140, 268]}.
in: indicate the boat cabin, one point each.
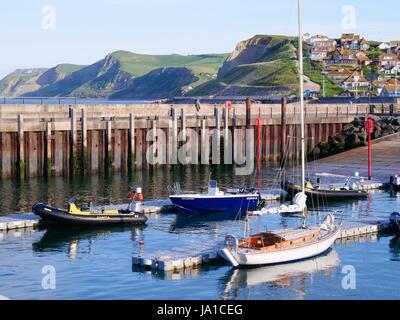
{"type": "Point", "coordinates": [280, 239]}
{"type": "Point", "coordinates": [213, 189]}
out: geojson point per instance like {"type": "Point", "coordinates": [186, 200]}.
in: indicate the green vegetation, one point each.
{"type": "Point", "coordinates": [374, 54]}
{"type": "Point", "coordinates": [203, 66]}
{"type": "Point", "coordinates": [68, 68]}
{"type": "Point", "coordinates": [267, 74]}
{"type": "Point", "coordinates": [313, 71]}
{"type": "Point", "coordinates": [371, 69]}
{"type": "Point", "coordinates": [263, 63]}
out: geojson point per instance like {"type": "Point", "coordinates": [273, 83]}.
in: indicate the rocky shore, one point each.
{"type": "Point", "coordinates": [355, 135]}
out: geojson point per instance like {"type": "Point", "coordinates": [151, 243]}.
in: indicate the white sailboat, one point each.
{"type": "Point", "coordinates": [282, 246]}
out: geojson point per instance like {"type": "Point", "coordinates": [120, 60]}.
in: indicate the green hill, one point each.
{"type": "Point", "coordinates": [261, 65]}
{"type": "Point", "coordinates": [118, 71]}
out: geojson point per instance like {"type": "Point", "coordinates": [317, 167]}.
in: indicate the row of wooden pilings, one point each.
{"type": "Point", "coordinates": [80, 144]}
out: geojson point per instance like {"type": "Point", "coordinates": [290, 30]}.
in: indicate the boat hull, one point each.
{"type": "Point", "coordinates": [324, 194]}
{"type": "Point", "coordinates": [54, 216]}
{"type": "Point", "coordinates": [240, 258]}
{"type": "Point", "coordinates": [238, 204]}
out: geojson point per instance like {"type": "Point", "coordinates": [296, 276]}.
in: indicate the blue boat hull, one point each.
{"type": "Point", "coordinates": [206, 205]}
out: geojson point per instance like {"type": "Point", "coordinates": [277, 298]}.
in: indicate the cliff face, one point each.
{"type": "Point", "coordinates": [96, 80]}
{"type": "Point", "coordinates": [246, 52]}
{"type": "Point", "coordinates": [56, 73]}
{"type": "Point", "coordinates": [158, 84]}
{"type": "Point", "coordinates": [20, 81]}
{"type": "Point", "coordinates": [120, 74]}
{"type": "Point", "coordinates": [261, 65]}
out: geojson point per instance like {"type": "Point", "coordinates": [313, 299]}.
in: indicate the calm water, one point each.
{"type": "Point", "coordinates": [97, 263]}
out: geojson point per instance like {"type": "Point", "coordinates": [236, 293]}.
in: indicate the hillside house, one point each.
{"type": "Point", "coordinates": [363, 60]}
{"type": "Point", "coordinates": [339, 74]}
{"type": "Point", "coordinates": [317, 38]}
{"type": "Point", "coordinates": [364, 45]}
{"type": "Point", "coordinates": [388, 59]}
{"type": "Point", "coordinates": [352, 41]}
{"type": "Point", "coordinates": [345, 57]}
{"type": "Point", "coordinates": [384, 46]}
{"type": "Point", "coordinates": [318, 53]}
{"type": "Point", "coordinates": [356, 81]}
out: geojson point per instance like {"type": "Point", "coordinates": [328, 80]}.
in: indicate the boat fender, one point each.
{"type": "Point", "coordinates": [231, 242]}
{"type": "Point", "coordinates": [329, 223]}
{"type": "Point", "coordinates": [139, 194]}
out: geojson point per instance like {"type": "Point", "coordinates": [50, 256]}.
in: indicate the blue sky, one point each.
{"type": "Point", "coordinates": [87, 30]}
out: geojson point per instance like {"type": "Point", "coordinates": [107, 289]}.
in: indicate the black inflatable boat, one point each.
{"type": "Point", "coordinates": [75, 216]}
{"type": "Point", "coordinates": [325, 194]}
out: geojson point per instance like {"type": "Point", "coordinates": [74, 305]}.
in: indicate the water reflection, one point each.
{"type": "Point", "coordinates": [237, 282]}
{"type": "Point", "coordinates": [182, 274]}
{"type": "Point", "coordinates": [78, 240]}
{"type": "Point", "coordinates": [188, 222]}
{"type": "Point", "coordinates": [113, 188]}
{"type": "Point", "coordinates": [394, 246]}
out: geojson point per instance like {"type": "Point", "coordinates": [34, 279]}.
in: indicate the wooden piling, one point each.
{"type": "Point", "coordinates": [21, 148]}
{"type": "Point", "coordinates": [248, 113]}
{"type": "Point", "coordinates": [131, 142]}
{"type": "Point", "coordinates": [183, 125]}
{"type": "Point", "coordinates": [84, 151]}
{"type": "Point", "coordinates": [205, 143]}
{"type": "Point", "coordinates": [154, 152]}
{"type": "Point", "coordinates": [227, 138]}
{"type": "Point", "coordinates": [283, 128]}
{"type": "Point", "coordinates": [48, 150]}
{"type": "Point", "coordinates": [108, 146]}
{"type": "Point", "coordinates": [173, 138]}
{"type": "Point", "coordinates": [216, 139]}
{"type": "Point", "coordinates": [73, 157]}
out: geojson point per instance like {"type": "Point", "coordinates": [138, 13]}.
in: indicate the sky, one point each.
{"type": "Point", "coordinates": [36, 33]}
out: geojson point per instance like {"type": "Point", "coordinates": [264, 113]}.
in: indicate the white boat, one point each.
{"type": "Point", "coordinates": [282, 246]}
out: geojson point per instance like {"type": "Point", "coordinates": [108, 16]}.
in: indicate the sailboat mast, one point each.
{"type": "Point", "coordinates": [301, 72]}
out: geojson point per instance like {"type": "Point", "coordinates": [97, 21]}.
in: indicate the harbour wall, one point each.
{"type": "Point", "coordinates": [52, 140]}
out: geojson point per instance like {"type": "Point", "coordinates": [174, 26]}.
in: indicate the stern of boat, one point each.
{"type": "Point", "coordinates": [228, 252]}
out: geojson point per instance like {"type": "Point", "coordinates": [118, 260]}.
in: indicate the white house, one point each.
{"type": "Point", "coordinates": [384, 46]}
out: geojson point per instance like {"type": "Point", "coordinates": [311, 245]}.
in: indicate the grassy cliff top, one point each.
{"type": "Point", "coordinates": [141, 64]}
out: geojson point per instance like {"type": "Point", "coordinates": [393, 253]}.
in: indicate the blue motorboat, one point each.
{"type": "Point", "coordinates": [236, 201]}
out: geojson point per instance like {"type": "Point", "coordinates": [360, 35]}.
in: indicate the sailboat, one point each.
{"type": "Point", "coordinates": [287, 245]}
{"type": "Point", "coordinates": [317, 192]}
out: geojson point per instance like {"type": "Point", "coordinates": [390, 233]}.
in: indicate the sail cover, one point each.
{"type": "Point", "coordinates": [298, 205]}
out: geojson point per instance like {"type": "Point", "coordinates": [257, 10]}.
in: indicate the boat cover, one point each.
{"type": "Point", "coordinates": [298, 205]}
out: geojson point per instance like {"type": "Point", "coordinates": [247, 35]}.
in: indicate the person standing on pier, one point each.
{"type": "Point", "coordinates": [198, 106]}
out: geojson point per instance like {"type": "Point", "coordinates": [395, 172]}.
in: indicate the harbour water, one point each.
{"type": "Point", "coordinates": [97, 263]}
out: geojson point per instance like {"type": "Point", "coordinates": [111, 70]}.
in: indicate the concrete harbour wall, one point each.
{"type": "Point", "coordinates": [40, 140]}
